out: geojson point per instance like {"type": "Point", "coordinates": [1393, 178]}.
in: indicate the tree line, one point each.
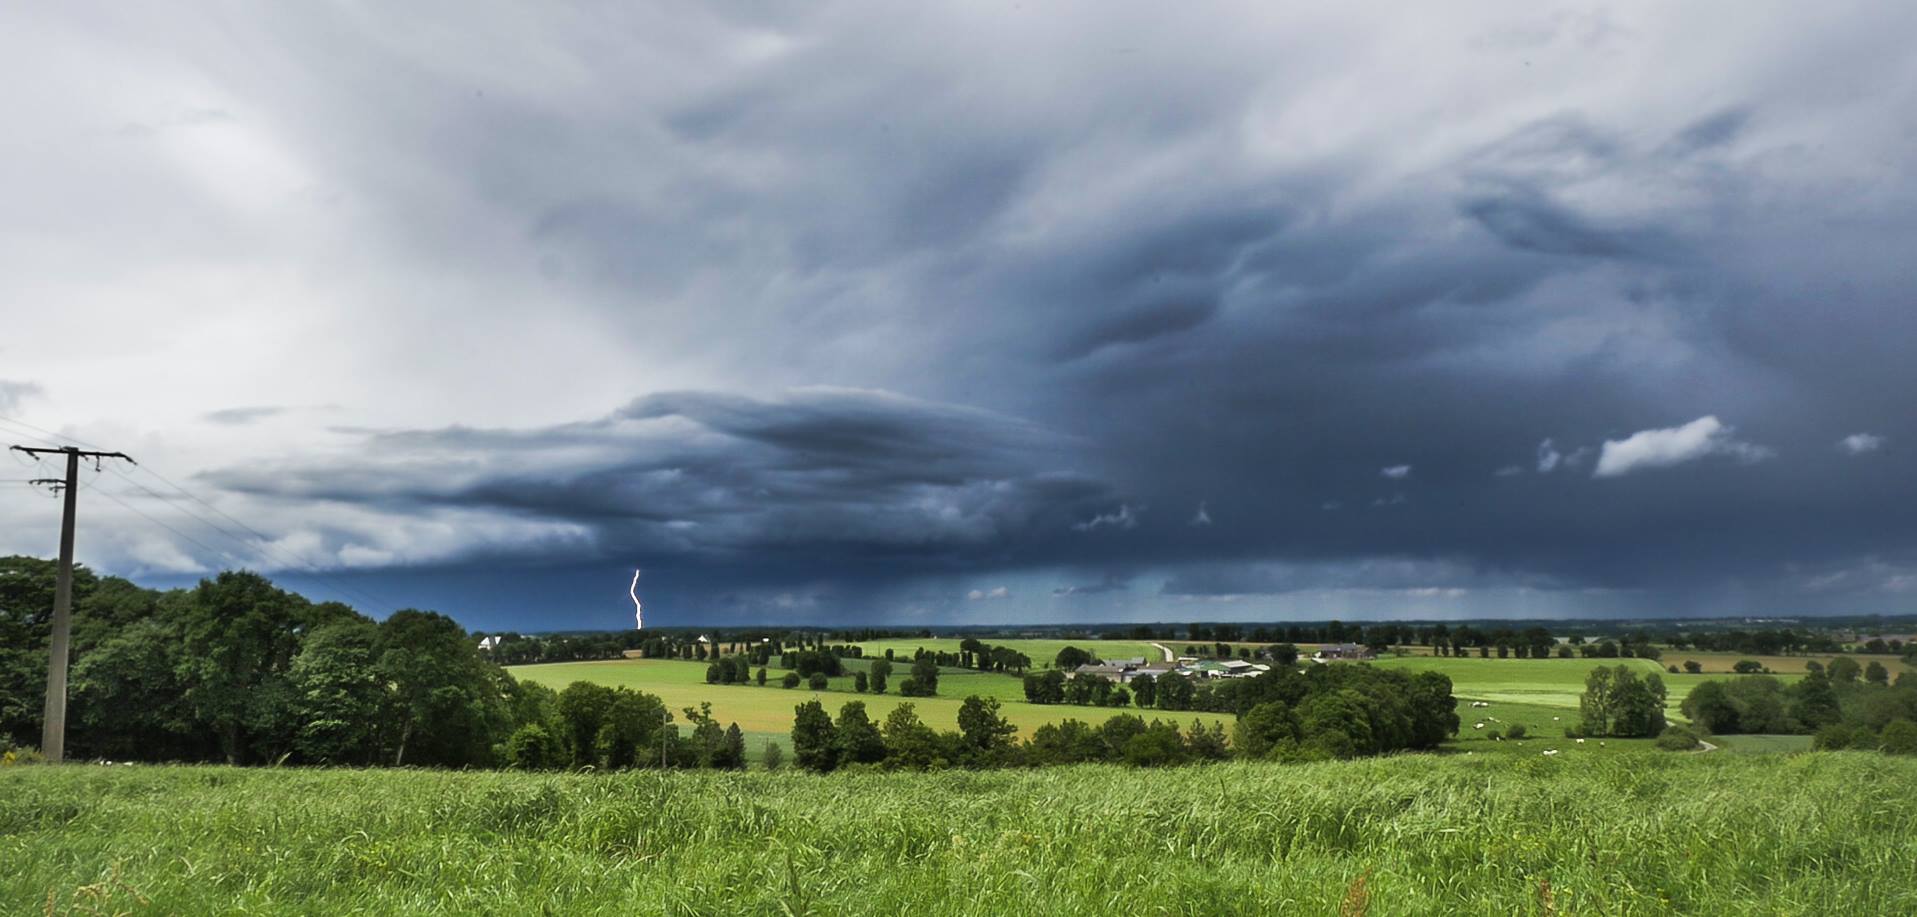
{"type": "Point", "coordinates": [1325, 713]}
{"type": "Point", "coordinates": [237, 670]}
{"type": "Point", "coordinates": [1842, 703]}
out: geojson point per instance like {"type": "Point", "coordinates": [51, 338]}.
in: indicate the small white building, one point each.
{"type": "Point", "coordinates": [491, 643]}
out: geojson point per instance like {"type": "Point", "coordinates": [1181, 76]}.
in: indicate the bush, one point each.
{"type": "Point", "coordinates": [1835, 737]}
{"type": "Point", "coordinates": [1516, 731]}
{"type": "Point", "coordinates": [11, 755]}
{"type": "Point", "coordinates": [1899, 737]}
{"type": "Point", "coordinates": [791, 680]}
{"type": "Point", "coordinates": [1677, 738]}
{"type": "Point", "coordinates": [774, 756]}
{"type": "Point", "coordinates": [818, 681]}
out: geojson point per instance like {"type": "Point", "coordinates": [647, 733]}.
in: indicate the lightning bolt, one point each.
{"type": "Point", "coordinates": [638, 613]}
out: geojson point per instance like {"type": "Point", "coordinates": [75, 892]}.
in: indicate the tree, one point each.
{"type": "Point", "coordinates": [1616, 702]}
{"type": "Point", "coordinates": [1174, 692]}
{"type": "Point", "coordinates": [791, 680]}
{"type": "Point", "coordinates": [1158, 745]}
{"type": "Point", "coordinates": [337, 694]}
{"type": "Point", "coordinates": [859, 682]}
{"type": "Point", "coordinates": [760, 678]}
{"type": "Point", "coordinates": [532, 748]}
{"type": "Point", "coordinates": [818, 681]}
{"type": "Point", "coordinates": [1263, 728]}
{"type": "Point", "coordinates": [859, 740]}
{"type": "Point", "coordinates": [1337, 723]}
{"type": "Point", "coordinates": [814, 739]}
{"type": "Point", "coordinates": [583, 707]}
{"type": "Point", "coordinates": [880, 670]}
{"type": "Point", "coordinates": [909, 743]}
{"type": "Point", "coordinates": [924, 680]}
{"type": "Point", "coordinates": [1144, 690]}
{"type": "Point", "coordinates": [1709, 706]}
{"type": "Point", "coordinates": [1693, 666]}
{"type": "Point", "coordinates": [1283, 653]}
{"type": "Point", "coordinates": [1072, 657]}
{"type": "Point", "coordinates": [981, 727]}
{"type": "Point", "coordinates": [1876, 674]}
{"type": "Point", "coordinates": [237, 642]}
{"type": "Point", "coordinates": [1843, 670]}
{"type": "Point", "coordinates": [774, 757]}
{"type": "Point", "coordinates": [446, 700]}
{"type": "Point", "coordinates": [1747, 667]}
{"type": "Point", "coordinates": [129, 701]}
{"type": "Point", "coordinates": [631, 722]}
{"type": "Point", "coordinates": [1899, 737]}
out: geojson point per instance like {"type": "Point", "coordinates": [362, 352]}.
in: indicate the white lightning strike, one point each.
{"type": "Point", "coordinates": [638, 613]}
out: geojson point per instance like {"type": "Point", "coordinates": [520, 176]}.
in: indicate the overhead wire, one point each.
{"type": "Point", "coordinates": [262, 546]}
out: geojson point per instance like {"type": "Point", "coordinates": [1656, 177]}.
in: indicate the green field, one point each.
{"type": "Point", "coordinates": [1042, 652]}
{"type": "Point", "coordinates": [1643, 833]}
{"type": "Point", "coordinates": [766, 713]}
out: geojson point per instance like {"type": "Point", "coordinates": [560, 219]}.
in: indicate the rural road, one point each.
{"type": "Point", "coordinates": [1166, 650]}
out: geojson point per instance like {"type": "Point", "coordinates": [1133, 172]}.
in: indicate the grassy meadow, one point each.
{"type": "Point", "coordinates": [765, 714]}
{"type": "Point", "coordinates": [1042, 652]}
{"type": "Point", "coordinates": [1638, 833]}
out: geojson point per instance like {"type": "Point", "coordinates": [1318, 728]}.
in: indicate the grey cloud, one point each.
{"type": "Point", "coordinates": [15, 393]}
{"type": "Point", "coordinates": [243, 416]}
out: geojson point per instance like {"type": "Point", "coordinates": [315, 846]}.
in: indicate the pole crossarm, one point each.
{"type": "Point", "coordinates": [37, 451]}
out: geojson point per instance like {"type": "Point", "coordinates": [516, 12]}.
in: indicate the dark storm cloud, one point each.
{"type": "Point", "coordinates": [827, 479]}
{"type": "Point", "coordinates": [1086, 275]}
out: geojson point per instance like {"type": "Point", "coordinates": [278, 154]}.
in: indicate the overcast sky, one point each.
{"type": "Point", "coordinates": [974, 312]}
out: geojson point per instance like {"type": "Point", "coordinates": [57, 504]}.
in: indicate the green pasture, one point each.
{"type": "Point", "coordinates": [1630, 834]}
{"type": "Point", "coordinates": [1042, 652]}
{"type": "Point", "coordinates": [768, 710]}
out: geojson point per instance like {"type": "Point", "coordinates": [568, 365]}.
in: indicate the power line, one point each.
{"type": "Point", "coordinates": [263, 545]}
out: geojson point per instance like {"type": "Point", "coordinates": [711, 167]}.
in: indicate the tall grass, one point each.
{"type": "Point", "coordinates": [1636, 834]}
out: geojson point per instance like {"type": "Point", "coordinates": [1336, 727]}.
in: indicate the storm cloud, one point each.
{"type": "Point", "coordinates": [851, 312]}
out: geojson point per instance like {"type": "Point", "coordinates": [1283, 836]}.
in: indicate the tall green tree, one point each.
{"type": "Point", "coordinates": [337, 694]}
{"type": "Point", "coordinates": [238, 641]}
{"type": "Point", "coordinates": [858, 738]}
{"type": "Point", "coordinates": [447, 704]}
{"type": "Point", "coordinates": [814, 740]}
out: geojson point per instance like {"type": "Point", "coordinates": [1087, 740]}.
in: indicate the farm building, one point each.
{"type": "Point", "coordinates": [1120, 670]}
{"type": "Point", "coordinates": [1342, 651]}
{"type": "Point", "coordinates": [491, 643]}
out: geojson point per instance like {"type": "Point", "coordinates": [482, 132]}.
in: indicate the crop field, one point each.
{"type": "Point", "coordinates": [1720, 663]}
{"type": "Point", "coordinates": [1640, 833]}
{"type": "Point", "coordinates": [764, 713]}
{"type": "Point", "coordinates": [1042, 652]}
{"type": "Point", "coordinates": [1546, 682]}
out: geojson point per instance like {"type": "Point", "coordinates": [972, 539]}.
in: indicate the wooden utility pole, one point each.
{"type": "Point", "coordinates": [53, 732]}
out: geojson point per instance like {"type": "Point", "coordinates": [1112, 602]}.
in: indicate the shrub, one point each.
{"type": "Point", "coordinates": [1899, 737]}
{"type": "Point", "coordinates": [1835, 737]}
{"type": "Point", "coordinates": [791, 680]}
{"type": "Point", "coordinates": [818, 681]}
{"type": "Point", "coordinates": [774, 756]}
{"type": "Point", "coordinates": [1517, 731]}
{"type": "Point", "coordinates": [1677, 738]}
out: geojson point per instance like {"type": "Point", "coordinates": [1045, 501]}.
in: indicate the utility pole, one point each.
{"type": "Point", "coordinates": [53, 731]}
